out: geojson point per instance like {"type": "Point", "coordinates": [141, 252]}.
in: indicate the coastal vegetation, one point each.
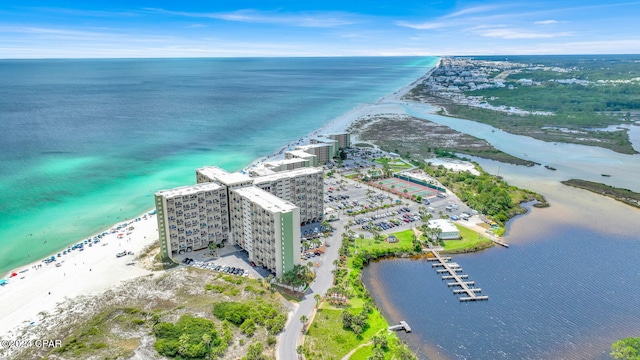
{"type": "Point", "coordinates": [186, 313]}
{"type": "Point", "coordinates": [486, 193]}
{"type": "Point", "coordinates": [412, 137]}
{"type": "Point", "coordinates": [626, 349]}
{"type": "Point", "coordinates": [623, 195]}
{"type": "Point", "coordinates": [347, 320]}
{"type": "Point", "coordinates": [554, 99]}
{"type": "Point", "coordinates": [470, 241]}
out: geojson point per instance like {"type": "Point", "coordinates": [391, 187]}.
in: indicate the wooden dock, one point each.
{"type": "Point", "coordinates": [498, 242]}
{"type": "Point", "coordinates": [402, 326]}
{"type": "Point", "coordinates": [453, 270]}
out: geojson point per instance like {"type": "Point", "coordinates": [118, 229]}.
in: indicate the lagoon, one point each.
{"type": "Point", "coordinates": [567, 287]}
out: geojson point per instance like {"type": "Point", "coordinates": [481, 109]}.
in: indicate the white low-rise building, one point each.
{"type": "Point", "coordinates": [448, 231]}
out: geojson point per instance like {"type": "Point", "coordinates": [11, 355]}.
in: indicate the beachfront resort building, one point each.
{"type": "Point", "coordinates": [343, 139]}
{"type": "Point", "coordinates": [191, 217]}
{"type": "Point", "coordinates": [286, 164]}
{"type": "Point", "coordinates": [303, 187]}
{"type": "Point", "coordinates": [322, 151]}
{"type": "Point", "coordinates": [311, 159]}
{"type": "Point", "coordinates": [448, 231]}
{"type": "Point", "coordinates": [267, 227]}
{"type": "Point", "coordinates": [261, 214]}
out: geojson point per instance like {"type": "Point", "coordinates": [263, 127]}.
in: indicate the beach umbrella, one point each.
{"type": "Point", "coordinates": [3, 281]}
{"type": "Point", "coordinates": [14, 274]}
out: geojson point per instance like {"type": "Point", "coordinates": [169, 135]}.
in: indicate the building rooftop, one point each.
{"type": "Point", "coordinates": [324, 140]}
{"type": "Point", "coordinates": [300, 153]}
{"type": "Point", "coordinates": [188, 190]}
{"type": "Point", "coordinates": [267, 201]}
{"type": "Point", "coordinates": [212, 172]}
{"type": "Point", "coordinates": [444, 224]}
{"type": "Point", "coordinates": [234, 178]}
{"type": "Point", "coordinates": [311, 146]}
{"type": "Point", "coordinates": [287, 174]}
{"type": "Point", "coordinates": [283, 162]}
{"type": "Point", "coordinates": [417, 175]}
{"type": "Point", "coordinates": [261, 170]}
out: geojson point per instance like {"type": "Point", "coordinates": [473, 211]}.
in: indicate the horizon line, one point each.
{"type": "Point", "coordinates": [314, 56]}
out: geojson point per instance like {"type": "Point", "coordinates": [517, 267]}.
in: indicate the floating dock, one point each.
{"type": "Point", "coordinates": [453, 270]}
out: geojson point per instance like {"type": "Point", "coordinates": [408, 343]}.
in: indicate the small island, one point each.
{"type": "Point", "coordinates": [623, 195]}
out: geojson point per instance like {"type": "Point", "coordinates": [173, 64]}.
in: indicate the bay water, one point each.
{"type": "Point", "coordinates": [566, 288]}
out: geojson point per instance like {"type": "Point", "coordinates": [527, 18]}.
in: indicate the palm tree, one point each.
{"type": "Point", "coordinates": [303, 320]}
{"type": "Point", "coordinates": [317, 298]}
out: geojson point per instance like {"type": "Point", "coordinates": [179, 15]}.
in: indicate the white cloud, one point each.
{"type": "Point", "coordinates": [424, 26]}
{"type": "Point", "coordinates": [475, 10]}
{"type": "Point", "coordinates": [504, 32]}
{"type": "Point", "coordinates": [309, 19]}
{"type": "Point", "coordinates": [546, 22]}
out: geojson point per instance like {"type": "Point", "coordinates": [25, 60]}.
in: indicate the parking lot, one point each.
{"type": "Point", "coordinates": [229, 259]}
{"type": "Point", "coordinates": [344, 200]}
{"type": "Point", "coordinates": [364, 205]}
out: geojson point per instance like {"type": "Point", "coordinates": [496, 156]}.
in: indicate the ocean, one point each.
{"type": "Point", "coordinates": [86, 143]}
{"type": "Point", "coordinates": [566, 288]}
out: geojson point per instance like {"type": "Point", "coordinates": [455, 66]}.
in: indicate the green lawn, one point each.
{"type": "Point", "coordinates": [404, 243]}
{"type": "Point", "coordinates": [470, 239]}
{"type": "Point", "coordinates": [327, 339]}
{"type": "Point", "coordinates": [394, 164]}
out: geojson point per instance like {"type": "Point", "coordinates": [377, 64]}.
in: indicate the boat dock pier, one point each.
{"type": "Point", "coordinates": [453, 270]}
{"type": "Point", "coordinates": [499, 242]}
{"type": "Point", "coordinates": [402, 326]}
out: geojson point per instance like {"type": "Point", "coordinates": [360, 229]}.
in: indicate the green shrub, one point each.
{"type": "Point", "coordinates": [235, 313]}
{"type": "Point", "coordinates": [189, 338]}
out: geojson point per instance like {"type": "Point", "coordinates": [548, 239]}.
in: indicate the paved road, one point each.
{"type": "Point", "coordinates": [324, 280]}
{"type": "Point", "coordinates": [290, 337]}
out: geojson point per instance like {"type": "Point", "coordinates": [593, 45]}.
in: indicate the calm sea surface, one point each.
{"type": "Point", "coordinates": [568, 286]}
{"type": "Point", "coordinates": [85, 143]}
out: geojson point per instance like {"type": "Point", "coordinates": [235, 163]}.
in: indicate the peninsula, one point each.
{"type": "Point", "coordinates": [569, 99]}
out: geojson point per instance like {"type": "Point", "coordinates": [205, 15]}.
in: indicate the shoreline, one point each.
{"type": "Point", "coordinates": [91, 271]}
{"type": "Point", "coordinates": [96, 269]}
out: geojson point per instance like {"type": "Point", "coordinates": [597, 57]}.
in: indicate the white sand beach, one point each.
{"type": "Point", "coordinates": [87, 272]}
{"type": "Point", "coordinates": [97, 269]}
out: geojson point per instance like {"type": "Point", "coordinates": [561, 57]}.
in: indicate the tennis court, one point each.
{"type": "Point", "coordinates": [398, 186]}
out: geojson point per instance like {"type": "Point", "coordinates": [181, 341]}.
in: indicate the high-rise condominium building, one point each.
{"type": "Point", "coordinates": [303, 187]}
{"type": "Point", "coordinates": [191, 217]}
{"type": "Point", "coordinates": [267, 227]}
{"type": "Point", "coordinates": [261, 214]}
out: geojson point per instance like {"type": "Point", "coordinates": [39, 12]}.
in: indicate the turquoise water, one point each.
{"type": "Point", "coordinates": [85, 143]}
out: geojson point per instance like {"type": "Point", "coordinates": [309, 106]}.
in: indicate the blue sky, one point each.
{"type": "Point", "coordinates": [100, 29]}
